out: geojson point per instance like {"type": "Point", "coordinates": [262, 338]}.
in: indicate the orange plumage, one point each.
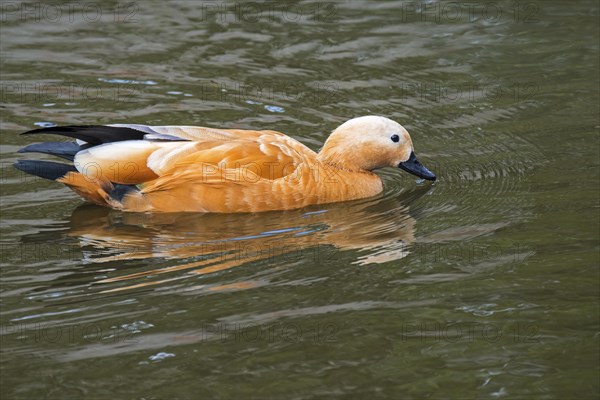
{"type": "Point", "coordinates": [186, 168]}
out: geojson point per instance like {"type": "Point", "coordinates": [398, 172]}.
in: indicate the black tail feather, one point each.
{"type": "Point", "coordinates": [92, 134]}
{"type": "Point", "coordinates": [121, 190]}
{"type": "Point", "coordinates": [44, 169]}
{"type": "Point", "coordinates": [65, 150]}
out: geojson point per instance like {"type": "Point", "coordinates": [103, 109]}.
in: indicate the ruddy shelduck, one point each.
{"type": "Point", "coordinates": [189, 168]}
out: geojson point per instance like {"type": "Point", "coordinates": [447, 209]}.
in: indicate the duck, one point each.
{"type": "Point", "coordinates": [142, 168]}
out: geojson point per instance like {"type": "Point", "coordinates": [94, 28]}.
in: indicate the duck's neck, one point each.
{"type": "Point", "coordinates": [336, 181]}
{"type": "Point", "coordinates": [334, 155]}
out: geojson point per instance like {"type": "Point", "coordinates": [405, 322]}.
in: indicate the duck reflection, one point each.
{"type": "Point", "coordinates": [379, 230]}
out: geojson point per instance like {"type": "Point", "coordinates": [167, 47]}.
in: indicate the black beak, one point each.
{"type": "Point", "coordinates": [413, 166]}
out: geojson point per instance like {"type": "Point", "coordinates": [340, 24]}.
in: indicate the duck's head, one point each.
{"type": "Point", "coordinates": [371, 142]}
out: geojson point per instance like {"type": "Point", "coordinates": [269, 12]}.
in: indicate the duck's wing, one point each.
{"type": "Point", "coordinates": [133, 153]}
{"type": "Point", "coordinates": [269, 173]}
{"type": "Point", "coordinates": [267, 156]}
{"type": "Point", "coordinates": [270, 155]}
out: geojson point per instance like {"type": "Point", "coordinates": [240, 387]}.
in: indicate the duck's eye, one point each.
{"type": "Point", "coordinates": [395, 138]}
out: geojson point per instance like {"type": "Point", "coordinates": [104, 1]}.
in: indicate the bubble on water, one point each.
{"type": "Point", "coordinates": [127, 81]}
{"type": "Point", "coordinates": [275, 109]}
{"type": "Point", "coordinates": [45, 124]}
{"type": "Point", "coordinates": [137, 326]}
{"type": "Point", "coordinates": [161, 356]}
{"type": "Point", "coordinates": [482, 310]}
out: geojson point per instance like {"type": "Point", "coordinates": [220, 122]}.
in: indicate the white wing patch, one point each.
{"type": "Point", "coordinates": [110, 153]}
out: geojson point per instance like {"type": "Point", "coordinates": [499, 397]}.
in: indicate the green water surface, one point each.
{"type": "Point", "coordinates": [483, 285]}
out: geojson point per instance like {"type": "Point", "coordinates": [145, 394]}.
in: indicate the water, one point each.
{"type": "Point", "coordinates": [482, 285]}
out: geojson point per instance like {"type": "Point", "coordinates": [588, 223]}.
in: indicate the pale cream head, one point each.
{"type": "Point", "coordinates": [367, 143]}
